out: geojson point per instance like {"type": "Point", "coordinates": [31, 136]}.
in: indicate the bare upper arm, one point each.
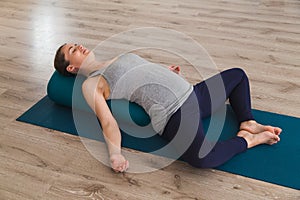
{"type": "Point", "coordinates": [95, 91]}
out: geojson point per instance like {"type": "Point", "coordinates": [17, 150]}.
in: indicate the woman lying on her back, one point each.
{"type": "Point", "coordinates": [164, 107]}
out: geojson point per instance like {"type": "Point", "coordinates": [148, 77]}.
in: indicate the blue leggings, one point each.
{"type": "Point", "coordinates": [237, 90]}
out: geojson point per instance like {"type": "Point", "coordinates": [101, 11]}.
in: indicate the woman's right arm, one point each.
{"type": "Point", "coordinates": [93, 91]}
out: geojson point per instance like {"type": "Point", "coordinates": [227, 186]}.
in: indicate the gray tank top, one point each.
{"type": "Point", "coordinates": [155, 88]}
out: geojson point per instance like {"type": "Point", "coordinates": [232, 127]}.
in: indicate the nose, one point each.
{"type": "Point", "coordinates": [80, 47]}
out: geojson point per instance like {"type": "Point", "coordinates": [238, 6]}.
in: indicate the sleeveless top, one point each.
{"type": "Point", "coordinates": [159, 91]}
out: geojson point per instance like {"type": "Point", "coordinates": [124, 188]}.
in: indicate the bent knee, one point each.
{"type": "Point", "coordinates": [240, 72]}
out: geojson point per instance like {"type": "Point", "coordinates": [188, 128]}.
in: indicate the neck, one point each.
{"type": "Point", "coordinates": [92, 65]}
{"type": "Point", "coordinates": [86, 70]}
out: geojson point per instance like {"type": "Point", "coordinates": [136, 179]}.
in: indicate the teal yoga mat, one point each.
{"type": "Point", "coordinates": [277, 164]}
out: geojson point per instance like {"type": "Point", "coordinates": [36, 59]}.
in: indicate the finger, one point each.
{"type": "Point", "coordinates": [115, 164]}
{"type": "Point", "coordinates": [124, 166]}
{"type": "Point", "coordinates": [127, 164]}
{"type": "Point", "coordinates": [115, 170]}
{"type": "Point", "coordinates": [118, 169]}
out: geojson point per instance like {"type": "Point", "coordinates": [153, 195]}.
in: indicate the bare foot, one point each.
{"type": "Point", "coordinates": [264, 137]}
{"type": "Point", "coordinates": [255, 128]}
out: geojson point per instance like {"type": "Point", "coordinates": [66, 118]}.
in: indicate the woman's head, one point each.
{"type": "Point", "coordinates": [69, 58]}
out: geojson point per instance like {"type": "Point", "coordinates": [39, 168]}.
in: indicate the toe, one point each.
{"type": "Point", "coordinates": [270, 129]}
{"type": "Point", "coordinates": [277, 130]}
{"type": "Point", "coordinates": [276, 138]}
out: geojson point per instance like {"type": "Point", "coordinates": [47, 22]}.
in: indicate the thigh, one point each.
{"type": "Point", "coordinates": [213, 92]}
{"type": "Point", "coordinates": [210, 94]}
{"type": "Point", "coordinates": [184, 125]}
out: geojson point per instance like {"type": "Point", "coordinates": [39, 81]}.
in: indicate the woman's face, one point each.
{"type": "Point", "coordinates": [75, 54]}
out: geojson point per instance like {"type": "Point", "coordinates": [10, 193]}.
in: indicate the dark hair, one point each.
{"type": "Point", "coordinates": [60, 63]}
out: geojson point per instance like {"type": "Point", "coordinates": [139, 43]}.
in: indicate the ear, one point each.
{"type": "Point", "coordinates": [72, 69]}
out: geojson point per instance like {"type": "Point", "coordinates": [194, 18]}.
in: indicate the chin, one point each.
{"type": "Point", "coordinates": [89, 59]}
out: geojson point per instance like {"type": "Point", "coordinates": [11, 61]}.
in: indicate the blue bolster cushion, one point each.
{"type": "Point", "coordinates": [61, 90]}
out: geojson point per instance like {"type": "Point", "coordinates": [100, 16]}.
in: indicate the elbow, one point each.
{"type": "Point", "coordinates": [109, 125]}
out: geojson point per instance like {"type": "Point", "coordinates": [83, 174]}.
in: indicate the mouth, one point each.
{"type": "Point", "coordinates": [85, 51]}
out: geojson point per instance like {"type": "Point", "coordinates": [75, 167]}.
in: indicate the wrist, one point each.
{"type": "Point", "coordinates": [115, 152]}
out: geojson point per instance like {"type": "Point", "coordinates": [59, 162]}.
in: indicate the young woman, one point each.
{"type": "Point", "coordinates": [164, 107]}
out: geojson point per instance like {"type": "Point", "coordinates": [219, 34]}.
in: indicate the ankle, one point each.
{"type": "Point", "coordinates": [248, 123]}
{"type": "Point", "coordinates": [247, 136]}
{"type": "Point", "coordinates": [251, 121]}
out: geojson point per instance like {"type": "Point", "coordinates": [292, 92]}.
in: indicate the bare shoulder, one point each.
{"type": "Point", "coordinates": [92, 83]}
{"type": "Point", "coordinates": [96, 84]}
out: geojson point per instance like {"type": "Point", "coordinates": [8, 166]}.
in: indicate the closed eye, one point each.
{"type": "Point", "coordinates": [74, 48]}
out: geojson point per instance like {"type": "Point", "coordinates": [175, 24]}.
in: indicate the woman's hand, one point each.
{"type": "Point", "coordinates": [118, 163]}
{"type": "Point", "coordinates": [175, 68]}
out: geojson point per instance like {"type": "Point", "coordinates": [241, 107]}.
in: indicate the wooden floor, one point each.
{"type": "Point", "coordinates": [260, 36]}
